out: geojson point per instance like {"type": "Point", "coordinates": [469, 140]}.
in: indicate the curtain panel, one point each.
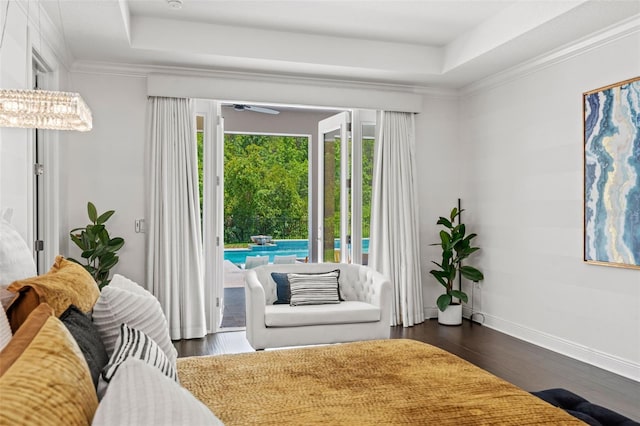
{"type": "Point", "coordinates": [394, 246]}
{"type": "Point", "coordinates": [174, 239]}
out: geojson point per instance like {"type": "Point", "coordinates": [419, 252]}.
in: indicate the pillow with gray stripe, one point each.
{"type": "Point", "coordinates": [132, 343]}
{"type": "Point", "coordinates": [314, 289]}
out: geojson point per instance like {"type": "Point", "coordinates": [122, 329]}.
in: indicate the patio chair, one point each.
{"type": "Point", "coordinates": [284, 259]}
{"type": "Point", "coordinates": [251, 262]}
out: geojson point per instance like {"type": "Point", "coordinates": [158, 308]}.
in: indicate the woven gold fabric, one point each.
{"type": "Point", "coordinates": [50, 383]}
{"type": "Point", "coordinates": [374, 382]}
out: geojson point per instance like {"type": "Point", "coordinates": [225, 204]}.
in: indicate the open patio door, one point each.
{"type": "Point", "coordinates": [345, 143]}
{"type": "Point", "coordinates": [332, 235]}
{"type": "Point", "coordinates": [212, 124]}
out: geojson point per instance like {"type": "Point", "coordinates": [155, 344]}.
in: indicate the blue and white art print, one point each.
{"type": "Point", "coordinates": [612, 175]}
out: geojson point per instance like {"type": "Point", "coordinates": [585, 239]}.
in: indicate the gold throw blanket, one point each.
{"type": "Point", "coordinates": [363, 383]}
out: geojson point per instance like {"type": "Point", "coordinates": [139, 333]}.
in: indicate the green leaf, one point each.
{"type": "Point", "coordinates": [93, 214]}
{"type": "Point", "coordinates": [446, 258]}
{"type": "Point", "coordinates": [109, 263]}
{"type": "Point", "coordinates": [78, 241]}
{"type": "Point", "coordinates": [99, 253]}
{"type": "Point", "coordinates": [115, 244]}
{"type": "Point", "coordinates": [461, 230]}
{"type": "Point", "coordinates": [87, 254]}
{"type": "Point", "coordinates": [105, 216]}
{"type": "Point", "coordinates": [443, 301]}
{"type": "Point", "coordinates": [444, 221]}
{"type": "Point", "coordinates": [454, 214]}
{"type": "Point", "coordinates": [104, 237]}
{"type": "Point", "coordinates": [460, 295]}
{"type": "Point", "coordinates": [470, 250]}
{"type": "Point", "coordinates": [471, 273]}
{"type": "Point", "coordinates": [445, 239]}
{"type": "Point", "coordinates": [103, 284]}
{"type": "Point", "coordinates": [440, 276]}
{"type": "Point", "coordinates": [470, 237]}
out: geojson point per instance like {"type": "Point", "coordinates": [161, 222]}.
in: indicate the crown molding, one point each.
{"type": "Point", "coordinates": [135, 70]}
{"type": "Point", "coordinates": [46, 37]}
{"type": "Point", "coordinates": [601, 38]}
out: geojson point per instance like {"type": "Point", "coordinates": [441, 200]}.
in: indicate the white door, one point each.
{"type": "Point", "coordinates": [212, 210]}
{"type": "Point", "coordinates": [345, 143]}
{"type": "Point", "coordinates": [333, 207]}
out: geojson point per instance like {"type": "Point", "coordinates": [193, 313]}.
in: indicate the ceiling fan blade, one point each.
{"type": "Point", "coordinates": [261, 109]}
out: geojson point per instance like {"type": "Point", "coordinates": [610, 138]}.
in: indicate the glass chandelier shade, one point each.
{"type": "Point", "coordinates": [43, 109]}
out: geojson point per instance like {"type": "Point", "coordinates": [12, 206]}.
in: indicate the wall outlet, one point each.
{"type": "Point", "coordinates": [140, 226]}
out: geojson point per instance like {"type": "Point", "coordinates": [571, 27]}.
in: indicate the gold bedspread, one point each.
{"type": "Point", "coordinates": [373, 382]}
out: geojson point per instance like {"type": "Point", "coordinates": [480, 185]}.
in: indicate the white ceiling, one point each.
{"type": "Point", "coordinates": [443, 43]}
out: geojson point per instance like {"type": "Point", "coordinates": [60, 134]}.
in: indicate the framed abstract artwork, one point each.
{"type": "Point", "coordinates": [612, 175]}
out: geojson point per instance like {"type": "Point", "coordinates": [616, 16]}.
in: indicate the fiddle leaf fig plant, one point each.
{"type": "Point", "coordinates": [456, 246]}
{"type": "Point", "coordinates": [98, 248]}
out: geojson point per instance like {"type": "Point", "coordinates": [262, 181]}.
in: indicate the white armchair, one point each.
{"type": "Point", "coordinates": [365, 313]}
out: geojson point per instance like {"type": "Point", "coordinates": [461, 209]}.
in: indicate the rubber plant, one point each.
{"type": "Point", "coordinates": [98, 247]}
{"type": "Point", "coordinates": [456, 246]}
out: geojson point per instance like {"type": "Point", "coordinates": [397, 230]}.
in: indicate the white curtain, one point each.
{"type": "Point", "coordinates": [174, 238]}
{"type": "Point", "coordinates": [393, 249]}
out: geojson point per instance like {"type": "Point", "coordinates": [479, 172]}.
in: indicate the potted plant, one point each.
{"type": "Point", "coordinates": [98, 248]}
{"type": "Point", "coordinates": [456, 246]}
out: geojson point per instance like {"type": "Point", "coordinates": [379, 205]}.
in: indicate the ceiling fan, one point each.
{"type": "Point", "coordinates": [242, 107]}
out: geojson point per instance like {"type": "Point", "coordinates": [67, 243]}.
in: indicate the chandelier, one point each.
{"type": "Point", "coordinates": [44, 109]}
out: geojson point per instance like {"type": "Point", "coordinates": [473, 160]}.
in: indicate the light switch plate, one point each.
{"type": "Point", "coordinates": [140, 226]}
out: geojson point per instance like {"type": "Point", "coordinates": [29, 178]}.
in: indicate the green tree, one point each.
{"type": "Point", "coordinates": [266, 186]}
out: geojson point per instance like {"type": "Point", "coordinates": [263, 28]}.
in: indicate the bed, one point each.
{"type": "Point", "coordinates": [372, 382]}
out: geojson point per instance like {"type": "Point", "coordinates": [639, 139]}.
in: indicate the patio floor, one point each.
{"type": "Point", "coordinates": [233, 314]}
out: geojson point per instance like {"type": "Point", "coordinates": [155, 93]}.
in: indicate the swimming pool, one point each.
{"type": "Point", "coordinates": [299, 248]}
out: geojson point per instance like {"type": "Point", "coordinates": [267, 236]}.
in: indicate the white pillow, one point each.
{"type": "Point", "coordinates": [5, 330]}
{"type": "Point", "coordinates": [314, 289]}
{"type": "Point", "coordinates": [120, 281]}
{"type": "Point", "coordinates": [134, 343]}
{"type": "Point", "coordinates": [16, 260]}
{"type": "Point", "coordinates": [141, 395]}
{"type": "Point", "coordinates": [116, 306]}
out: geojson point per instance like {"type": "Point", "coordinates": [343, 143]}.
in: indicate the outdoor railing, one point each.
{"type": "Point", "coordinates": [240, 230]}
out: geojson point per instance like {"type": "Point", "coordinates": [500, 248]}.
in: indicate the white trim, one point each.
{"type": "Point", "coordinates": [556, 56]}
{"type": "Point", "coordinates": [571, 349]}
{"type": "Point", "coordinates": [555, 344]}
{"type": "Point", "coordinates": [143, 70]}
{"type": "Point", "coordinates": [430, 312]}
{"type": "Point", "coordinates": [608, 35]}
{"type": "Point", "coordinates": [212, 265]}
{"type": "Point", "coordinates": [283, 92]}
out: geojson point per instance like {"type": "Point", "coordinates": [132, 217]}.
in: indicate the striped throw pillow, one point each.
{"type": "Point", "coordinates": [134, 343]}
{"type": "Point", "coordinates": [314, 289]}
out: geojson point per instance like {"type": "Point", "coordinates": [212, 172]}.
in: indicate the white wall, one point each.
{"type": "Point", "coordinates": [522, 140]}
{"type": "Point", "coordinates": [106, 165]}
{"type": "Point", "coordinates": [438, 182]}
{"type": "Point", "coordinates": [17, 144]}
{"type": "Point", "coordinates": [16, 153]}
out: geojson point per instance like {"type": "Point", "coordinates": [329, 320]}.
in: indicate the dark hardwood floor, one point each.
{"type": "Point", "coordinates": [528, 366]}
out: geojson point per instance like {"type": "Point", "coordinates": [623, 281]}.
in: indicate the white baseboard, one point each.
{"type": "Point", "coordinates": [430, 312]}
{"type": "Point", "coordinates": [565, 347]}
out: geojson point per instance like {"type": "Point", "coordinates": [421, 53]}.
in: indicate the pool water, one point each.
{"type": "Point", "coordinates": [299, 248]}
